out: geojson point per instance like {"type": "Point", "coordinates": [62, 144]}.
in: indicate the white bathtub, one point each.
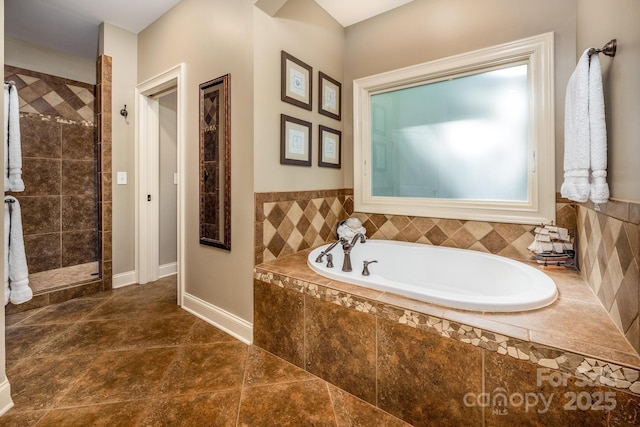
{"type": "Point", "coordinates": [454, 278]}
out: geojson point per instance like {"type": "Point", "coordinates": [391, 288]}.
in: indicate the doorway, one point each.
{"type": "Point", "coordinates": [159, 193]}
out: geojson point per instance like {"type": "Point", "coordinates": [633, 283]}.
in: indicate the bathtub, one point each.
{"type": "Point", "coordinates": [455, 278]}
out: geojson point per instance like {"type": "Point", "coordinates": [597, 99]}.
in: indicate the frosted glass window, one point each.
{"type": "Point", "coordinates": [463, 138]}
{"type": "Point", "coordinates": [470, 136]}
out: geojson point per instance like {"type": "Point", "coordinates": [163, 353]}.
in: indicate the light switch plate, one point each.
{"type": "Point", "coordinates": [122, 178]}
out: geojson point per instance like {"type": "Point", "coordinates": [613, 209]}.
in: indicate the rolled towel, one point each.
{"type": "Point", "coordinates": [577, 147]}
{"type": "Point", "coordinates": [18, 271]}
{"type": "Point", "coordinates": [350, 227]}
{"type": "Point", "coordinates": [7, 227]}
{"type": "Point", "coordinates": [15, 150]}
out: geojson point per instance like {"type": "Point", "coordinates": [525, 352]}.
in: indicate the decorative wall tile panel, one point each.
{"type": "Point", "coordinates": [40, 94]}
{"type": "Point", "coordinates": [608, 242]}
{"type": "Point", "coordinates": [279, 214]}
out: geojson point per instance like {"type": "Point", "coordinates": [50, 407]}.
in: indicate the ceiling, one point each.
{"type": "Point", "coordinates": [72, 25]}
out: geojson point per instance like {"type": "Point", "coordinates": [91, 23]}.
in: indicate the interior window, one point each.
{"type": "Point", "coordinates": [467, 137]}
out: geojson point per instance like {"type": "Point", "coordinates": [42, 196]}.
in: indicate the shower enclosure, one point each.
{"type": "Point", "coordinates": [63, 210]}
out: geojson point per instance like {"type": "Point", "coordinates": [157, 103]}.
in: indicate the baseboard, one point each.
{"type": "Point", "coordinates": [124, 279]}
{"type": "Point", "coordinates": [167, 270]}
{"type": "Point", "coordinates": [6, 402]}
{"type": "Point", "coordinates": [221, 319]}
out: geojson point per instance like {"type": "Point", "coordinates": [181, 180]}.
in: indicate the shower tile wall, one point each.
{"type": "Point", "coordinates": [59, 204]}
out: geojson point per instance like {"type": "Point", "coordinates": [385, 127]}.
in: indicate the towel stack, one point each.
{"type": "Point", "coordinates": [585, 134]}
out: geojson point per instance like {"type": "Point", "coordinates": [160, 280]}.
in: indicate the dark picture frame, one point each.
{"type": "Point", "coordinates": [329, 96]}
{"type": "Point", "coordinates": [295, 141]}
{"type": "Point", "coordinates": [329, 147]}
{"type": "Point", "coordinates": [215, 163]}
{"type": "Point", "coordinates": [296, 81]}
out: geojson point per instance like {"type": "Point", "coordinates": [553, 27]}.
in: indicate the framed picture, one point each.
{"type": "Point", "coordinates": [295, 141]}
{"type": "Point", "coordinates": [329, 154]}
{"type": "Point", "coordinates": [296, 80]}
{"type": "Point", "coordinates": [330, 94]}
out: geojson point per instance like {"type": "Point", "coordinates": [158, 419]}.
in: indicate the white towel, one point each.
{"type": "Point", "coordinates": [15, 149]}
{"type": "Point", "coordinates": [585, 139]}
{"type": "Point", "coordinates": [7, 87]}
{"type": "Point", "coordinates": [7, 228]}
{"type": "Point", "coordinates": [598, 134]}
{"type": "Point", "coordinates": [18, 271]}
{"type": "Point", "coordinates": [577, 148]}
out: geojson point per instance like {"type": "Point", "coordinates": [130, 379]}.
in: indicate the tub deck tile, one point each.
{"type": "Point", "coordinates": [569, 332]}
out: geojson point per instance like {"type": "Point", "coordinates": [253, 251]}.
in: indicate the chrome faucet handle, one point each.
{"type": "Point", "coordinates": [365, 269]}
{"type": "Point", "coordinates": [326, 251]}
{"type": "Point", "coordinates": [329, 260]}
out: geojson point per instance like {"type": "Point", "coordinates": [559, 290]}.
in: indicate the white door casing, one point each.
{"type": "Point", "coordinates": [146, 161]}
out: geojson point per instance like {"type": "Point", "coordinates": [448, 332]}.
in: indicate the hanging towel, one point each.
{"type": "Point", "coordinates": [7, 228]}
{"type": "Point", "coordinates": [585, 139]}
{"type": "Point", "coordinates": [18, 271]}
{"type": "Point", "coordinates": [7, 88]}
{"type": "Point", "coordinates": [598, 131]}
{"type": "Point", "coordinates": [15, 149]}
{"type": "Point", "coordinates": [577, 148]}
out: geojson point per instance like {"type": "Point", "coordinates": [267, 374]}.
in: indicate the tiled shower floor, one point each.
{"type": "Point", "coordinates": [131, 357]}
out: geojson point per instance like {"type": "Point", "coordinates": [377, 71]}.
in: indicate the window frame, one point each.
{"type": "Point", "coordinates": [538, 53]}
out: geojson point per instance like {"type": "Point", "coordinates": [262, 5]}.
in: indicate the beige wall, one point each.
{"type": "Point", "coordinates": [422, 31]}
{"type": "Point", "coordinates": [121, 46]}
{"type": "Point", "coordinates": [212, 38]}
{"type": "Point", "coordinates": [306, 31]}
{"type": "Point", "coordinates": [29, 56]}
{"type": "Point", "coordinates": [168, 190]}
{"type": "Point", "coordinates": [598, 22]}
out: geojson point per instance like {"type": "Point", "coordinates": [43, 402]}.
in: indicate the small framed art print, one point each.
{"type": "Point", "coordinates": [330, 91]}
{"type": "Point", "coordinates": [296, 79]}
{"type": "Point", "coordinates": [329, 154]}
{"type": "Point", "coordinates": [295, 141]}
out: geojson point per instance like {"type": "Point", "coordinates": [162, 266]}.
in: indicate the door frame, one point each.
{"type": "Point", "coordinates": [146, 213]}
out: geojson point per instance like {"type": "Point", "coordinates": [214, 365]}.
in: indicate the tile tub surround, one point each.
{"type": "Point", "coordinates": [298, 316]}
{"type": "Point", "coordinates": [609, 251]}
{"type": "Point", "coordinates": [288, 222]}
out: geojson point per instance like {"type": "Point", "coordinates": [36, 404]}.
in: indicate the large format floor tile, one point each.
{"type": "Point", "coordinates": [132, 357]}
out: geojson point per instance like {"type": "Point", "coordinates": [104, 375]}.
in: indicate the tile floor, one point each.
{"type": "Point", "coordinates": [132, 357]}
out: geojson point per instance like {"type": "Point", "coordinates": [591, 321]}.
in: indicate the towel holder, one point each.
{"type": "Point", "coordinates": [608, 49]}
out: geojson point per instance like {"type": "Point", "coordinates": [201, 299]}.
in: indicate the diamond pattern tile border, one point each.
{"type": "Point", "coordinates": [288, 222]}
{"type": "Point", "coordinates": [608, 249]}
{"type": "Point", "coordinates": [54, 96]}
